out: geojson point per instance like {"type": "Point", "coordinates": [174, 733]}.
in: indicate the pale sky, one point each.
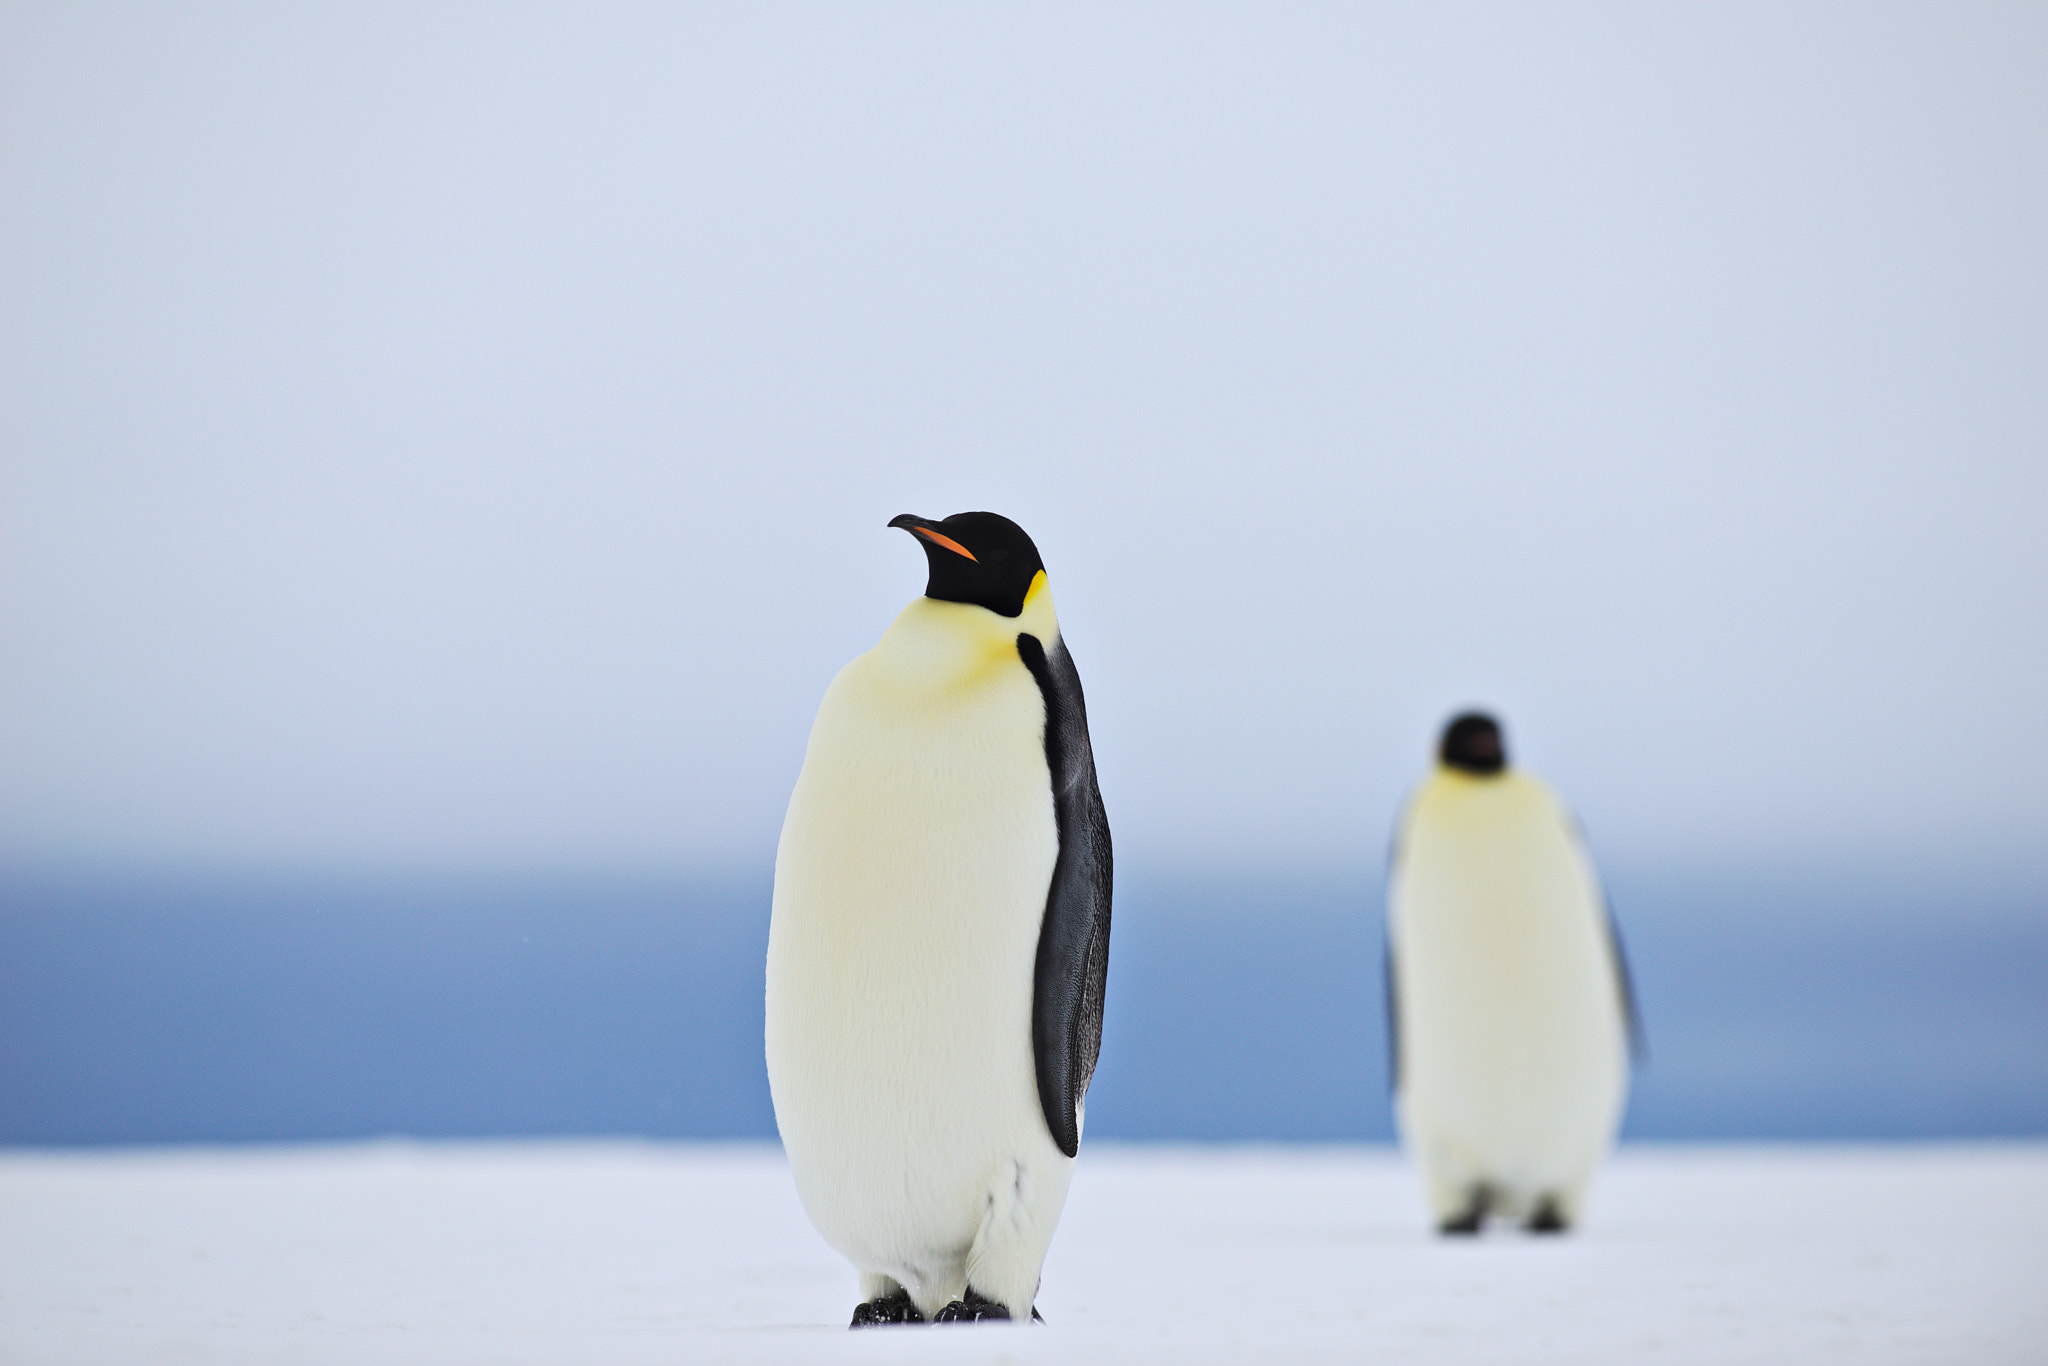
{"type": "Point", "coordinates": [464, 438]}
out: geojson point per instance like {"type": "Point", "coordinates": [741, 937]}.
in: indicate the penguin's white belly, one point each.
{"type": "Point", "coordinates": [910, 886]}
{"type": "Point", "coordinates": [1513, 1049]}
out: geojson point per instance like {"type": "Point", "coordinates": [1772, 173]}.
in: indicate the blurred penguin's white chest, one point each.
{"type": "Point", "coordinates": [1495, 906]}
{"type": "Point", "coordinates": [1510, 1015]}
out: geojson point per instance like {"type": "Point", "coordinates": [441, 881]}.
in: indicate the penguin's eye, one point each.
{"type": "Point", "coordinates": [947, 541]}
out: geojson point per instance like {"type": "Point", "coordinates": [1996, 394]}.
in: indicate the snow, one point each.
{"type": "Point", "coordinates": [613, 1252]}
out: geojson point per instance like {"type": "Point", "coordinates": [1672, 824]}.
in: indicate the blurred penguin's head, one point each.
{"type": "Point", "coordinates": [1472, 744]}
{"type": "Point", "coordinates": [976, 557]}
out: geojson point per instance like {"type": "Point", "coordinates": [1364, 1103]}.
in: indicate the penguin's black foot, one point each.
{"type": "Point", "coordinates": [896, 1308]}
{"type": "Point", "coordinates": [1548, 1218]}
{"type": "Point", "coordinates": [1472, 1218]}
{"type": "Point", "coordinates": [975, 1307]}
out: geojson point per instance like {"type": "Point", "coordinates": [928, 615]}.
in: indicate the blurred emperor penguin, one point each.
{"type": "Point", "coordinates": [940, 940]}
{"type": "Point", "coordinates": [1507, 993]}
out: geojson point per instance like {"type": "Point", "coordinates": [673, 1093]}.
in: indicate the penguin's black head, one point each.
{"type": "Point", "coordinates": [976, 557]}
{"type": "Point", "coordinates": [1472, 744]}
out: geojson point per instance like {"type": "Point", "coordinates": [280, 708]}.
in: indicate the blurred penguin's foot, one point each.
{"type": "Point", "coordinates": [1473, 1217]}
{"type": "Point", "coordinates": [974, 1307]}
{"type": "Point", "coordinates": [1548, 1218]}
{"type": "Point", "coordinates": [896, 1308]}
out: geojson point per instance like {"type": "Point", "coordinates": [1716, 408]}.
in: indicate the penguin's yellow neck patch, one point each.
{"type": "Point", "coordinates": [1037, 616]}
{"type": "Point", "coordinates": [1456, 795]}
{"type": "Point", "coordinates": [955, 644]}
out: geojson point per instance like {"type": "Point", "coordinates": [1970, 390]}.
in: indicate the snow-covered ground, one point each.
{"type": "Point", "coordinates": [629, 1253]}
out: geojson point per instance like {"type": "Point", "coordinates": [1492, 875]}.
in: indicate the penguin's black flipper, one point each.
{"type": "Point", "coordinates": [1624, 981]}
{"type": "Point", "coordinates": [1073, 940]}
{"type": "Point", "coordinates": [1631, 1012]}
{"type": "Point", "coordinates": [1393, 1021]}
{"type": "Point", "coordinates": [1392, 983]}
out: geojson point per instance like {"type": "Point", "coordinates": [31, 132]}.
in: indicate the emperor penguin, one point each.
{"type": "Point", "coordinates": [939, 940]}
{"type": "Point", "coordinates": [1508, 995]}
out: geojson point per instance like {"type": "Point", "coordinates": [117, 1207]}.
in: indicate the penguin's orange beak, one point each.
{"type": "Point", "coordinates": [947, 541]}
{"type": "Point", "coordinates": [916, 527]}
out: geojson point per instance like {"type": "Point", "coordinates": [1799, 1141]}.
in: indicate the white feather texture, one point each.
{"type": "Point", "coordinates": [910, 884]}
{"type": "Point", "coordinates": [1513, 1040]}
